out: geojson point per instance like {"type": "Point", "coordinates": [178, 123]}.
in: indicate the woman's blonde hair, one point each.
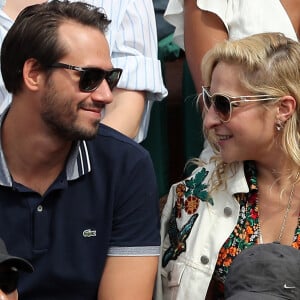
{"type": "Point", "coordinates": [270, 64]}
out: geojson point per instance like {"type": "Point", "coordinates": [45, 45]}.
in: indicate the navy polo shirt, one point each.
{"type": "Point", "coordinates": [105, 202]}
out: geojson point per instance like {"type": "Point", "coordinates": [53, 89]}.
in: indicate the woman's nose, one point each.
{"type": "Point", "coordinates": [211, 118]}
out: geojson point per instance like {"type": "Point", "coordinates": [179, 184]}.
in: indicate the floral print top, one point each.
{"type": "Point", "coordinates": [246, 232]}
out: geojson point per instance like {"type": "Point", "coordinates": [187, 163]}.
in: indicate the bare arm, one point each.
{"type": "Point", "coordinates": [134, 49]}
{"type": "Point", "coordinates": [128, 278]}
{"type": "Point", "coordinates": [202, 30]}
{"type": "Point", "coordinates": [125, 112]}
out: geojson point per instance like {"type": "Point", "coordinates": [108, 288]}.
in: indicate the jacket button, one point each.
{"type": "Point", "coordinates": [204, 259]}
{"type": "Point", "coordinates": [227, 211]}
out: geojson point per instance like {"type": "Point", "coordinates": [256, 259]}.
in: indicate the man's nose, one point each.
{"type": "Point", "coordinates": [102, 93]}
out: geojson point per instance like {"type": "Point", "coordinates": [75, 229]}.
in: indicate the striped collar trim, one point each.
{"type": "Point", "coordinates": [79, 161]}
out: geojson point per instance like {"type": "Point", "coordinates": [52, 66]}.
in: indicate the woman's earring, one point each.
{"type": "Point", "coordinates": [279, 125]}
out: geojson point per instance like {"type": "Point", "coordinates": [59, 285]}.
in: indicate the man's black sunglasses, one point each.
{"type": "Point", "coordinates": [91, 78]}
{"type": "Point", "coordinates": [9, 277]}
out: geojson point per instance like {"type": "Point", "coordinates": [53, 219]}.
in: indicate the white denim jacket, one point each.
{"type": "Point", "coordinates": [200, 224]}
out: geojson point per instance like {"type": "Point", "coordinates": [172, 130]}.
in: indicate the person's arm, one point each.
{"type": "Point", "coordinates": [128, 278]}
{"type": "Point", "coordinates": [125, 112]}
{"type": "Point", "coordinates": [202, 30]}
{"type": "Point", "coordinates": [135, 50]}
{"type": "Point", "coordinates": [134, 246]}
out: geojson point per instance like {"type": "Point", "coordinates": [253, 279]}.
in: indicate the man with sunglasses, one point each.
{"type": "Point", "coordinates": [77, 198]}
{"type": "Point", "coordinates": [10, 267]}
{"type": "Point", "coordinates": [132, 40]}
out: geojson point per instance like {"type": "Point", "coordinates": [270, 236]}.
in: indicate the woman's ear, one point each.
{"type": "Point", "coordinates": [32, 74]}
{"type": "Point", "coordinates": [286, 108]}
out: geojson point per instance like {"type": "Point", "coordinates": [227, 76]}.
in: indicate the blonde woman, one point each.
{"type": "Point", "coordinates": [250, 191]}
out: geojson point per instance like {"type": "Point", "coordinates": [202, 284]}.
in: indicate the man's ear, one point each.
{"type": "Point", "coordinates": [286, 108]}
{"type": "Point", "coordinates": [32, 74]}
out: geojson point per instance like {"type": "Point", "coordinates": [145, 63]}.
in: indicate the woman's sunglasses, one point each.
{"type": "Point", "coordinates": [91, 78]}
{"type": "Point", "coordinates": [9, 277]}
{"type": "Point", "coordinates": [224, 104]}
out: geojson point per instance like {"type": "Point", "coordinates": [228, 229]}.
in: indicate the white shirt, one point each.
{"type": "Point", "coordinates": [5, 24]}
{"type": "Point", "coordinates": [132, 38]}
{"type": "Point", "coordinates": [241, 18]}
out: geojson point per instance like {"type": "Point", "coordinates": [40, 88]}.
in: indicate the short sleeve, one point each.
{"type": "Point", "coordinates": [240, 18]}
{"type": "Point", "coordinates": [135, 50]}
{"type": "Point", "coordinates": [133, 43]}
{"type": "Point", "coordinates": [135, 229]}
{"type": "Point", "coordinates": [174, 15]}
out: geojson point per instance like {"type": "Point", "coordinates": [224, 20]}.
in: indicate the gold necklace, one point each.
{"type": "Point", "coordinates": [287, 210]}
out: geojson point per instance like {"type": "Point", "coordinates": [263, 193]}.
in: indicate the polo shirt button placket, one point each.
{"type": "Point", "coordinates": [40, 208]}
{"type": "Point", "coordinates": [41, 228]}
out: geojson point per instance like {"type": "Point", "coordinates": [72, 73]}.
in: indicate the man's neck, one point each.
{"type": "Point", "coordinates": [34, 158]}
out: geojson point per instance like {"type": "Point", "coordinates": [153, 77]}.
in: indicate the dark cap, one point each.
{"type": "Point", "coordinates": [14, 261]}
{"type": "Point", "coordinates": [264, 272]}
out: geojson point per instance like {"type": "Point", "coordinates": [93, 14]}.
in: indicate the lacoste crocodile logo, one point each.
{"type": "Point", "coordinates": [89, 233]}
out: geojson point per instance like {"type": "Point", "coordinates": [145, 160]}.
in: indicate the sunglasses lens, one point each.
{"type": "Point", "coordinates": [113, 78]}
{"type": "Point", "coordinates": [222, 107]}
{"type": "Point", "coordinates": [8, 280]}
{"type": "Point", "coordinates": [91, 79]}
{"type": "Point", "coordinates": [206, 99]}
